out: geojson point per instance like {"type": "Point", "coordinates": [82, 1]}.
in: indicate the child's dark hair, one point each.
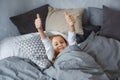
{"type": "Point", "coordinates": [51, 37]}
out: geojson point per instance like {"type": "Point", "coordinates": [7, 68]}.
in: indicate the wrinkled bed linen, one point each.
{"type": "Point", "coordinates": [14, 68]}
{"type": "Point", "coordinates": [91, 60]}
{"type": "Point", "coordinates": [71, 64]}
{"type": "Point", "coordinates": [74, 64]}
{"type": "Point", "coordinates": [106, 52]}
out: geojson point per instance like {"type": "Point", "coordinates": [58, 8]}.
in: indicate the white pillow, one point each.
{"type": "Point", "coordinates": [9, 46]}
{"type": "Point", "coordinates": [50, 33]}
{"type": "Point", "coordinates": [25, 46]}
{"type": "Point", "coordinates": [17, 46]}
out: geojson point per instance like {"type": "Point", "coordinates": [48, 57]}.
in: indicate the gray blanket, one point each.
{"type": "Point", "coordinates": [106, 52]}
{"type": "Point", "coordinates": [74, 63]}
{"type": "Point", "coordinates": [14, 68]}
{"type": "Point", "coordinates": [71, 64]}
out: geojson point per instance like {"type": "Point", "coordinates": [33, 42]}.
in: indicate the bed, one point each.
{"type": "Point", "coordinates": [96, 57]}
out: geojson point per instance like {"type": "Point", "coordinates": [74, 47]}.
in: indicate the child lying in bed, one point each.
{"type": "Point", "coordinates": [57, 43]}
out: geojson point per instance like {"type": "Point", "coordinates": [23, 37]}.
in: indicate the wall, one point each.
{"type": "Point", "coordinates": [115, 4]}
{"type": "Point", "coordinates": [77, 3]}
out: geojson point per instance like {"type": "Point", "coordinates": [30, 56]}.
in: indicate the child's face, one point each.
{"type": "Point", "coordinates": [59, 44]}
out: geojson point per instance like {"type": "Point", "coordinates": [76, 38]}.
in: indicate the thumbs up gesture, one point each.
{"type": "Point", "coordinates": [69, 18]}
{"type": "Point", "coordinates": [38, 22]}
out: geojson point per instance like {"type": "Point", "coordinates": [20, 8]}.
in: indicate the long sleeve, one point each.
{"type": "Point", "coordinates": [49, 48]}
{"type": "Point", "coordinates": [72, 38]}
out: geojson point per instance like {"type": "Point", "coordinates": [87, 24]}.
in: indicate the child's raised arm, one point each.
{"type": "Point", "coordinates": [47, 43]}
{"type": "Point", "coordinates": [71, 34]}
{"type": "Point", "coordinates": [70, 20]}
{"type": "Point", "coordinates": [38, 25]}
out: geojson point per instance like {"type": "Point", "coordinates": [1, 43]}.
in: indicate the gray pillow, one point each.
{"type": "Point", "coordinates": [95, 16]}
{"type": "Point", "coordinates": [111, 23]}
{"type": "Point", "coordinates": [25, 22]}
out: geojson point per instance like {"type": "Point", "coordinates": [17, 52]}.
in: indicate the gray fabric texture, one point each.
{"type": "Point", "coordinates": [95, 16]}
{"type": "Point", "coordinates": [111, 23]}
{"type": "Point", "coordinates": [106, 52]}
{"type": "Point", "coordinates": [14, 68]}
{"type": "Point", "coordinates": [74, 64]}
{"type": "Point", "coordinates": [71, 64]}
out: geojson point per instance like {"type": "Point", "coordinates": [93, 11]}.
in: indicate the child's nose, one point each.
{"type": "Point", "coordinates": [60, 44]}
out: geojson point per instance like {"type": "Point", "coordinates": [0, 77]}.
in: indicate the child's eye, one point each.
{"type": "Point", "coordinates": [56, 44]}
{"type": "Point", "coordinates": [61, 42]}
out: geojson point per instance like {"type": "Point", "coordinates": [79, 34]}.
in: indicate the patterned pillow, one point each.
{"type": "Point", "coordinates": [34, 50]}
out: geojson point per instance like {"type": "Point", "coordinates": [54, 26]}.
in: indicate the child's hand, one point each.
{"type": "Point", "coordinates": [38, 22]}
{"type": "Point", "coordinates": [69, 18]}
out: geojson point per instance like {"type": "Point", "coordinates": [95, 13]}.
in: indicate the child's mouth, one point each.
{"type": "Point", "coordinates": [60, 49]}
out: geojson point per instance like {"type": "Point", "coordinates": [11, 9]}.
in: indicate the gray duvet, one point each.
{"type": "Point", "coordinates": [106, 52]}
{"type": "Point", "coordinates": [74, 64]}
{"type": "Point", "coordinates": [71, 64]}
{"type": "Point", "coordinates": [92, 60]}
